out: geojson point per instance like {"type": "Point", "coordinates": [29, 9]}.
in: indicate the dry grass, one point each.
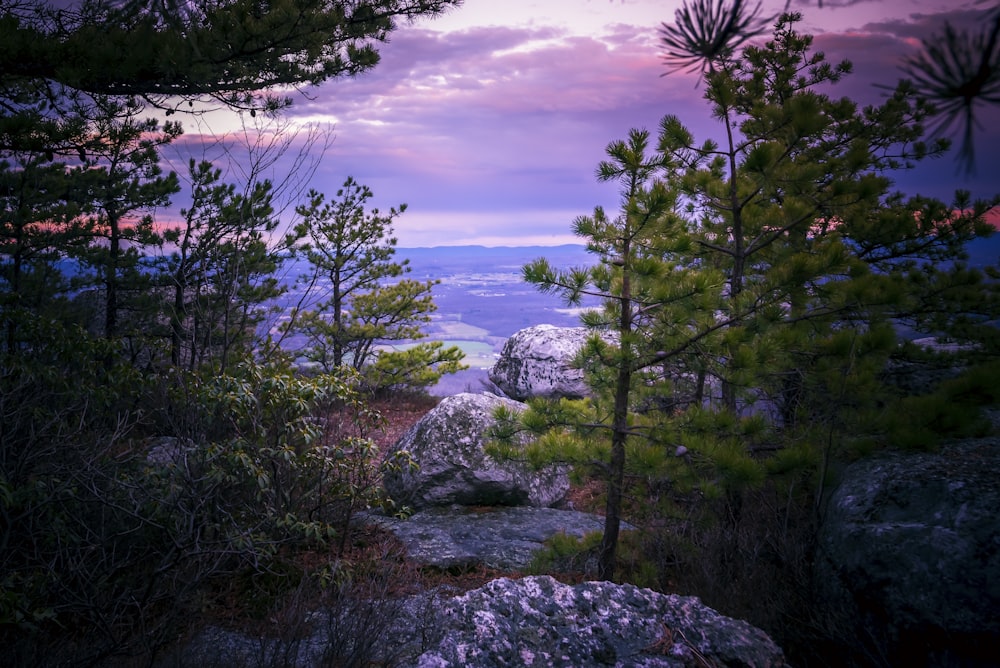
{"type": "Point", "coordinates": [400, 412]}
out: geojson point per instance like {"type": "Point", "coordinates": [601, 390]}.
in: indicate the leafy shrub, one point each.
{"type": "Point", "coordinates": [108, 548]}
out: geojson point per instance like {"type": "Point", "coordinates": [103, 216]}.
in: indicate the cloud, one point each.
{"type": "Point", "coordinates": [879, 50]}
{"type": "Point", "coordinates": [494, 132]}
{"type": "Point", "coordinates": [495, 119]}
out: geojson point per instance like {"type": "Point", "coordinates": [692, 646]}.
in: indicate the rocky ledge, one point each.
{"type": "Point", "coordinates": [504, 538]}
{"type": "Point", "coordinates": [531, 622]}
{"type": "Point", "coordinates": [538, 621]}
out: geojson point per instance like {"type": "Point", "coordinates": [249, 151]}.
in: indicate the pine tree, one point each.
{"type": "Point", "coordinates": [752, 284]}
{"type": "Point", "coordinates": [119, 184]}
{"type": "Point", "coordinates": [369, 302]}
{"type": "Point", "coordinates": [35, 231]}
{"type": "Point", "coordinates": [220, 268]}
{"type": "Point", "coordinates": [230, 50]}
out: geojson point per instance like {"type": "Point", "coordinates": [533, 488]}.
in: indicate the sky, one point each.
{"type": "Point", "coordinates": [489, 121]}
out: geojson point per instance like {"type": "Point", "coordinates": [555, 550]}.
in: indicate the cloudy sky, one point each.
{"type": "Point", "coordinates": [489, 121]}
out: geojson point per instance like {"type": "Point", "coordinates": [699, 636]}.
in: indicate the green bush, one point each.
{"type": "Point", "coordinates": [107, 549]}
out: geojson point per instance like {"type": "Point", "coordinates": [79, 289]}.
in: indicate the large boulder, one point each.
{"type": "Point", "coordinates": [503, 538]}
{"type": "Point", "coordinates": [537, 621]}
{"type": "Point", "coordinates": [447, 445]}
{"type": "Point", "coordinates": [537, 362]}
{"type": "Point", "coordinates": [910, 547]}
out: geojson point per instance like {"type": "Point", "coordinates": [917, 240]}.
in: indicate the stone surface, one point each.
{"type": "Point", "coordinates": [533, 621]}
{"type": "Point", "coordinates": [168, 451]}
{"type": "Point", "coordinates": [912, 543]}
{"type": "Point", "coordinates": [501, 538]}
{"type": "Point", "coordinates": [537, 362]}
{"type": "Point", "coordinates": [537, 621]}
{"type": "Point", "coordinates": [447, 444]}
{"type": "Point", "coordinates": [916, 378]}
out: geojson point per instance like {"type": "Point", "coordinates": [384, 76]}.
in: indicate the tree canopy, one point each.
{"type": "Point", "coordinates": [230, 50]}
{"type": "Point", "coordinates": [369, 303]}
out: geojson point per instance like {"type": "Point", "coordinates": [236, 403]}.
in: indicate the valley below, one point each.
{"type": "Point", "coordinates": [481, 300]}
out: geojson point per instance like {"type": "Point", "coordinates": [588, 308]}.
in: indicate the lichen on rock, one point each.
{"type": "Point", "coordinates": [538, 621]}
{"type": "Point", "coordinates": [448, 446]}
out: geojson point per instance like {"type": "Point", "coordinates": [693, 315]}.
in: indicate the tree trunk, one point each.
{"type": "Point", "coordinates": [619, 433]}
{"type": "Point", "coordinates": [111, 279]}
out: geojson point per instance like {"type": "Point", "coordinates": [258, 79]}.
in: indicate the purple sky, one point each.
{"type": "Point", "coordinates": [489, 122]}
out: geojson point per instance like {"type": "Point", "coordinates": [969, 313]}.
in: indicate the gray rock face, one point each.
{"type": "Point", "coordinates": [447, 444]}
{"type": "Point", "coordinates": [501, 538]}
{"type": "Point", "coordinates": [913, 543]}
{"type": "Point", "coordinates": [536, 362]}
{"type": "Point", "coordinates": [168, 451]}
{"type": "Point", "coordinates": [537, 621]}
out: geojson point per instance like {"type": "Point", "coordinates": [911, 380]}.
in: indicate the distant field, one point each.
{"type": "Point", "coordinates": [478, 355]}
{"type": "Point", "coordinates": [452, 329]}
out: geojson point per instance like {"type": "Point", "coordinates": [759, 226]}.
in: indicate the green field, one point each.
{"type": "Point", "coordinates": [477, 353]}
{"type": "Point", "coordinates": [460, 331]}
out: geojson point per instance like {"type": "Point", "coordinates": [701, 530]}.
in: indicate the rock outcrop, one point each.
{"type": "Point", "coordinates": [448, 446]}
{"type": "Point", "coordinates": [534, 621]}
{"type": "Point", "coordinates": [537, 362]}
{"type": "Point", "coordinates": [537, 621]}
{"type": "Point", "coordinates": [502, 538]}
{"type": "Point", "coordinates": [911, 548]}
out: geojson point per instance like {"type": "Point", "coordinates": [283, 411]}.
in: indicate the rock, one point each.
{"type": "Point", "coordinates": [911, 543]}
{"type": "Point", "coordinates": [537, 621]}
{"type": "Point", "coordinates": [537, 362]}
{"type": "Point", "coordinates": [916, 378]}
{"type": "Point", "coordinates": [500, 538]}
{"type": "Point", "coordinates": [447, 444]}
{"type": "Point", "coordinates": [533, 621]}
{"type": "Point", "coordinates": [168, 451]}
{"type": "Point", "coordinates": [940, 345]}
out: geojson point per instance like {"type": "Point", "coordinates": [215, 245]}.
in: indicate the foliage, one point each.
{"type": "Point", "coordinates": [230, 50]}
{"type": "Point", "coordinates": [71, 545]}
{"type": "Point", "coordinates": [35, 205]}
{"type": "Point", "coordinates": [955, 70]}
{"type": "Point", "coordinates": [958, 71]}
{"type": "Point", "coordinates": [220, 271]}
{"type": "Point", "coordinates": [369, 304]}
{"type": "Point", "coordinates": [753, 286]}
{"type": "Point", "coordinates": [952, 410]}
{"type": "Point", "coordinates": [114, 533]}
{"type": "Point", "coordinates": [291, 468]}
{"type": "Point", "coordinates": [708, 31]}
{"type": "Point", "coordinates": [118, 184]}
{"type": "Point", "coordinates": [150, 446]}
{"type": "Point", "coordinates": [566, 553]}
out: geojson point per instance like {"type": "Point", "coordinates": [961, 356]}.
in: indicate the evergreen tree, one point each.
{"type": "Point", "coordinates": [220, 269]}
{"type": "Point", "coordinates": [229, 50]}
{"type": "Point", "coordinates": [119, 183]}
{"type": "Point", "coordinates": [752, 284]}
{"type": "Point", "coordinates": [787, 208]}
{"type": "Point", "coordinates": [369, 303]}
{"type": "Point", "coordinates": [35, 212]}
